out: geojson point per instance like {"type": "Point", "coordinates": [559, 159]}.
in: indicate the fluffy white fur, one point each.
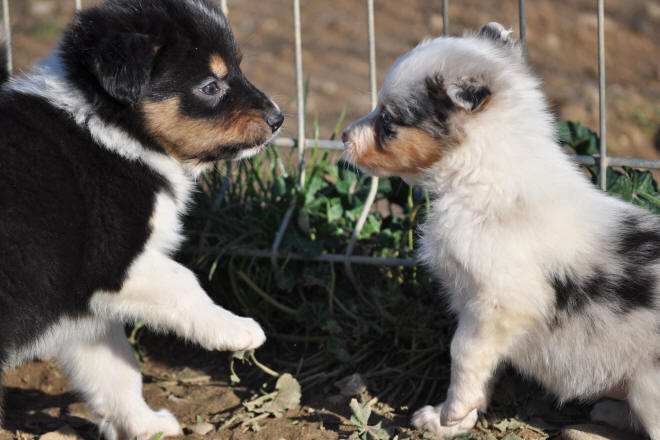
{"type": "Point", "coordinates": [509, 208]}
{"type": "Point", "coordinates": [167, 296]}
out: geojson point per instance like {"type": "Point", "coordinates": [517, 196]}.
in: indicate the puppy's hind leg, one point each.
{"type": "Point", "coordinates": [104, 370]}
{"type": "Point", "coordinates": [644, 396]}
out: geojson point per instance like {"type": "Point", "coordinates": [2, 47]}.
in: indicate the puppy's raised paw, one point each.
{"type": "Point", "coordinates": [242, 334]}
{"type": "Point", "coordinates": [428, 419]}
{"type": "Point", "coordinates": [157, 422]}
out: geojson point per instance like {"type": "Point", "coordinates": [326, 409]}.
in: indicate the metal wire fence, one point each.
{"type": "Point", "coordinates": [301, 143]}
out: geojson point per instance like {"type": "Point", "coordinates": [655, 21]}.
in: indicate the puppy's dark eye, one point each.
{"type": "Point", "coordinates": [211, 89]}
{"type": "Point", "coordinates": [387, 125]}
{"type": "Point", "coordinates": [386, 118]}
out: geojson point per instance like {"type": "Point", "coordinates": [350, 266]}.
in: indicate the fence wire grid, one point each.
{"type": "Point", "coordinates": [301, 142]}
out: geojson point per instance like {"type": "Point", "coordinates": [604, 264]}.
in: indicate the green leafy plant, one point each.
{"type": "Point", "coordinates": [360, 419]}
{"type": "Point", "coordinates": [629, 184]}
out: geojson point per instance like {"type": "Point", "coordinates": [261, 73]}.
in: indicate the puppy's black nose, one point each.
{"type": "Point", "coordinates": [275, 120]}
{"type": "Point", "coordinates": [344, 136]}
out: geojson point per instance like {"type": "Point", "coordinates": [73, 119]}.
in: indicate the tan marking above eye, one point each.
{"type": "Point", "coordinates": [218, 66]}
{"type": "Point", "coordinates": [185, 137]}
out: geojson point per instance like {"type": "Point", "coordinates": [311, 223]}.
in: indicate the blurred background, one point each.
{"type": "Point", "coordinates": [562, 49]}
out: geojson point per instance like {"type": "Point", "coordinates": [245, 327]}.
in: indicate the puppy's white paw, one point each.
{"type": "Point", "coordinates": [428, 419]}
{"type": "Point", "coordinates": [145, 427]}
{"type": "Point", "coordinates": [162, 421]}
{"type": "Point", "coordinates": [240, 334]}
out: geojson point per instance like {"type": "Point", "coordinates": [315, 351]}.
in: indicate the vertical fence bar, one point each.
{"type": "Point", "coordinates": [371, 36]}
{"type": "Point", "coordinates": [78, 4]}
{"type": "Point", "coordinates": [523, 27]}
{"type": "Point", "coordinates": [7, 26]}
{"type": "Point", "coordinates": [224, 7]}
{"type": "Point", "coordinates": [300, 99]}
{"type": "Point", "coordinates": [601, 95]}
{"type": "Point", "coordinates": [445, 17]}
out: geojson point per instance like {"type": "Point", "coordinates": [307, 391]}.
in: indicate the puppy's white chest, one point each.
{"type": "Point", "coordinates": [165, 223]}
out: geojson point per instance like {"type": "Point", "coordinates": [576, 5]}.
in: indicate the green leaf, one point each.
{"type": "Point", "coordinates": [289, 393]}
{"type": "Point", "coordinates": [650, 201]}
{"type": "Point", "coordinates": [313, 186]}
{"type": "Point", "coordinates": [332, 326]}
{"type": "Point", "coordinates": [303, 221]}
{"type": "Point", "coordinates": [346, 183]}
{"type": "Point", "coordinates": [377, 432]}
{"type": "Point", "coordinates": [579, 137]}
{"type": "Point", "coordinates": [334, 210]}
{"type": "Point", "coordinates": [361, 413]}
{"type": "Point", "coordinates": [642, 180]}
{"type": "Point", "coordinates": [371, 226]}
{"type": "Point", "coordinates": [355, 436]}
{"type": "Point", "coordinates": [279, 186]}
{"type": "Point", "coordinates": [620, 185]}
{"type": "Point", "coordinates": [287, 396]}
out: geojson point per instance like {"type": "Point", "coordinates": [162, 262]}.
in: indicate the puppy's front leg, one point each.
{"type": "Point", "coordinates": [167, 296]}
{"type": "Point", "coordinates": [479, 344]}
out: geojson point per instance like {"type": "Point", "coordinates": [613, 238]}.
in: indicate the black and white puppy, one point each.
{"type": "Point", "coordinates": [543, 269]}
{"type": "Point", "coordinates": [99, 150]}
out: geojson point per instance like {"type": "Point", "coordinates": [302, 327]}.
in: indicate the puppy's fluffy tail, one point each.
{"type": "Point", "coordinates": [4, 55]}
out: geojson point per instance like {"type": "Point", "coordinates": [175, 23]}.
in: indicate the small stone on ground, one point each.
{"type": "Point", "coordinates": [596, 432]}
{"type": "Point", "coordinates": [201, 428]}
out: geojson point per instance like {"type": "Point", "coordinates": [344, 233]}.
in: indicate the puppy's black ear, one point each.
{"type": "Point", "coordinates": [122, 64]}
{"type": "Point", "coordinates": [501, 37]}
{"type": "Point", "coordinates": [437, 92]}
{"type": "Point", "coordinates": [466, 93]}
{"type": "Point", "coordinates": [496, 32]}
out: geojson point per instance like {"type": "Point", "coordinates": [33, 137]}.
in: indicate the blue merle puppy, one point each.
{"type": "Point", "coordinates": [543, 270]}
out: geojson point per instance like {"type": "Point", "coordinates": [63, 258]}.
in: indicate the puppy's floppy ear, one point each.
{"type": "Point", "coordinates": [122, 64]}
{"type": "Point", "coordinates": [442, 103]}
{"type": "Point", "coordinates": [501, 36]}
{"type": "Point", "coordinates": [466, 93]}
{"type": "Point", "coordinates": [496, 32]}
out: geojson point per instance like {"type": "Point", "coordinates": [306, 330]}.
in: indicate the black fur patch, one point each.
{"type": "Point", "coordinates": [635, 286]}
{"type": "Point", "coordinates": [474, 94]}
{"type": "Point", "coordinates": [73, 216]}
{"type": "Point", "coordinates": [496, 33]}
{"type": "Point", "coordinates": [4, 72]}
{"type": "Point", "coordinates": [126, 80]}
{"type": "Point", "coordinates": [441, 103]}
{"type": "Point", "coordinates": [491, 31]}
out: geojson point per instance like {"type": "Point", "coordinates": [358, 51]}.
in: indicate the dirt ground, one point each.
{"type": "Point", "coordinates": [562, 49]}
{"type": "Point", "coordinates": [195, 386]}
{"type": "Point", "coordinates": [37, 401]}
